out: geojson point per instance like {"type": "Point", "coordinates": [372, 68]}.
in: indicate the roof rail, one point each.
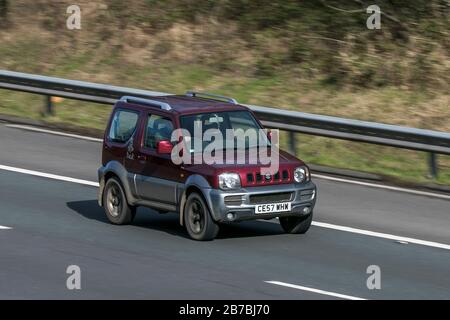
{"type": "Point", "coordinates": [147, 102]}
{"type": "Point", "coordinates": [211, 96]}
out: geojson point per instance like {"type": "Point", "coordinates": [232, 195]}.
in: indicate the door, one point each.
{"type": "Point", "coordinates": [157, 176]}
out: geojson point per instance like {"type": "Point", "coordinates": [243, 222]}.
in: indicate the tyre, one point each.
{"type": "Point", "coordinates": [197, 219]}
{"type": "Point", "coordinates": [117, 209]}
{"type": "Point", "coordinates": [296, 225]}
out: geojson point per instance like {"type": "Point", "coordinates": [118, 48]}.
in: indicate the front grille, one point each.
{"type": "Point", "coordinates": [270, 197]}
{"type": "Point", "coordinates": [258, 178]}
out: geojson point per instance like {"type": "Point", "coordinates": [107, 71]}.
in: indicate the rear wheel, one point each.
{"type": "Point", "coordinates": [117, 209]}
{"type": "Point", "coordinates": [296, 225]}
{"type": "Point", "coordinates": [197, 219]}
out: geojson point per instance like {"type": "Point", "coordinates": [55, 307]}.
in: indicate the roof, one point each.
{"type": "Point", "coordinates": [186, 105]}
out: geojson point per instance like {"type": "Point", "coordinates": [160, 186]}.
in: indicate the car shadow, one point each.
{"type": "Point", "coordinates": [150, 219]}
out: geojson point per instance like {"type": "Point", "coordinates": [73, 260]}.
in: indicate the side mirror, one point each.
{"type": "Point", "coordinates": [164, 147]}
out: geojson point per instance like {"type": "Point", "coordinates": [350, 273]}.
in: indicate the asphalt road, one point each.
{"type": "Point", "coordinates": [56, 224]}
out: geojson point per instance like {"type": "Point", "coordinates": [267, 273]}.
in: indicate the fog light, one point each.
{"type": "Point", "coordinates": [230, 216]}
{"type": "Point", "coordinates": [306, 210]}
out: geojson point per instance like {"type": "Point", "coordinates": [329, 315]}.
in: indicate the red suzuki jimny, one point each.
{"type": "Point", "coordinates": [138, 168]}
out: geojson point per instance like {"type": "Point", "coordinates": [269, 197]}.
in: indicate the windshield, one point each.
{"type": "Point", "coordinates": [219, 123]}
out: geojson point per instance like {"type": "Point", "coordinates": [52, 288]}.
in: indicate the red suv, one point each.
{"type": "Point", "coordinates": [138, 168]}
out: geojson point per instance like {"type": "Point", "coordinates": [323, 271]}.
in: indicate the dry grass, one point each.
{"type": "Point", "coordinates": [118, 45]}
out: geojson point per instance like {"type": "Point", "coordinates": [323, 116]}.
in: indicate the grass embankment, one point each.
{"type": "Point", "coordinates": [305, 57]}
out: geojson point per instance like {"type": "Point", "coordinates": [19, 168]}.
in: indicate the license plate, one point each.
{"type": "Point", "coordinates": [272, 207]}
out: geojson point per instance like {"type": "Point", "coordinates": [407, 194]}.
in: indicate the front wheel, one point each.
{"type": "Point", "coordinates": [197, 219]}
{"type": "Point", "coordinates": [296, 225]}
{"type": "Point", "coordinates": [115, 202]}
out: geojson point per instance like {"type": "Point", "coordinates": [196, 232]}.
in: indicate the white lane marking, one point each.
{"type": "Point", "coordinates": [399, 239]}
{"type": "Point", "coordinates": [57, 133]}
{"type": "Point", "coordinates": [382, 235]}
{"type": "Point", "coordinates": [382, 186]}
{"type": "Point", "coordinates": [49, 176]}
{"type": "Point", "coordinates": [323, 292]}
{"type": "Point", "coordinates": [5, 228]}
{"type": "Point", "coordinates": [315, 223]}
{"type": "Point", "coordinates": [319, 176]}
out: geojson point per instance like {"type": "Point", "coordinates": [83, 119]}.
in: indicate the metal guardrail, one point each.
{"type": "Point", "coordinates": [434, 142]}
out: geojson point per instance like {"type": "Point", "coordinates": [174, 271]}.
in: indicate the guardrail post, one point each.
{"type": "Point", "coordinates": [48, 105]}
{"type": "Point", "coordinates": [433, 165]}
{"type": "Point", "coordinates": [292, 143]}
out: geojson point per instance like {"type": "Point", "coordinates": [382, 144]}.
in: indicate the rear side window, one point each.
{"type": "Point", "coordinates": [158, 128]}
{"type": "Point", "coordinates": [123, 126]}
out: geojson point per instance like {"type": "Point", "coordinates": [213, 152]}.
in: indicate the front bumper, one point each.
{"type": "Point", "coordinates": [302, 196]}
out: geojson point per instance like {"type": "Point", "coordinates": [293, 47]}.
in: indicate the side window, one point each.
{"type": "Point", "coordinates": [158, 128]}
{"type": "Point", "coordinates": [123, 126]}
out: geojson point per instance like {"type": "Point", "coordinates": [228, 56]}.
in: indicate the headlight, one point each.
{"type": "Point", "coordinates": [301, 174]}
{"type": "Point", "coordinates": [229, 181]}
